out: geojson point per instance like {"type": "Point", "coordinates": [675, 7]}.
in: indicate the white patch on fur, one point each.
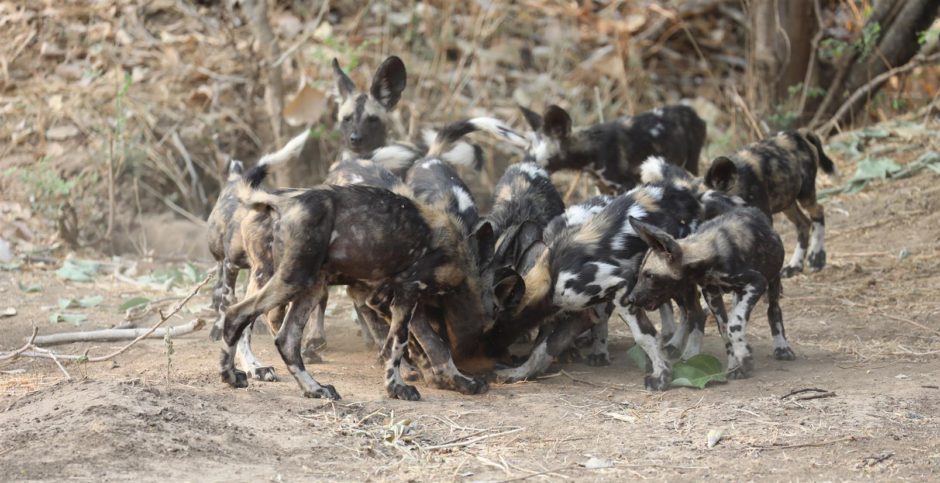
{"type": "Point", "coordinates": [464, 201]}
{"type": "Point", "coordinates": [626, 229]}
{"type": "Point", "coordinates": [543, 148]}
{"type": "Point", "coordinates": [780, 342]}
{"type": "Point", "coordinates": [533, 170]}
{"type": "Point", "coordinates": [578, 215]}
{"type": "Point", "coordinates": [796, 260]}
{"type": "Point", "coordinates": [651, 171]}
{"type": "Point", "coordinates": [655, 192]}
{"type": "Point", "coordinates": [647, 342]}
{"type": "Point", "coordinates": [354, 179]}
{"type": "Point", "coordinates": [395, 156]}
{"type": "Point", "coordinates": [538, 361]}
{"type": "Point", "coordinates": [657, 130]}
{"type": "Point", "coordinates": [243, 354]}
{"type": "Point", "coordinates": [462, 154]}
{"type": "Point", "coordinates": [333, 236]}
{"type": "Point", "coordinates": [658, 111]}
{"type": "Point", "coordinates": [817, 237]}
{"type": "Point", "coordinates": [499, 129]}
{"type": "Point", "coordinates": [346, 108]}
{"type": "Point", "coordinates": [305, 380]}
{"type": "Point", "coordinates": [427, 164]}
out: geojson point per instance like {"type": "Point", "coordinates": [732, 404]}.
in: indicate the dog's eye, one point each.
{"type": "Point", "coordinates": [347, 119]}
{"type": "Point", "coordinates": [647, 275]}
{"type": "Point", "coordinates": [372, 119]}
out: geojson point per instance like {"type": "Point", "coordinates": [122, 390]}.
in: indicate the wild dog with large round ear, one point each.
{"type": "Point", "coordinates": [737, 251]}
{"type": "Point", "coordinates": [363, 117]}
{"type": "Point", "coordinates": [778, 174]}
{"type": "Point", "coordinates": [588, 266]}
{"type": "Point", "coordinates": [613, 151]}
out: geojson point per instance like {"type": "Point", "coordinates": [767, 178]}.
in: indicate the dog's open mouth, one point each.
{"type": "Point", "coordinates": [651, 306]}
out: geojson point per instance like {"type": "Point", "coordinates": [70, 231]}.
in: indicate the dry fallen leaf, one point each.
{"type": "Point", "coordinates": [58, 133]}
{"type": "Point", "coordinates": [714, 436]}
{"type": "Point", "coordinates": [307, 106]}
{"type": "Point", "coordinates": [8, 312]}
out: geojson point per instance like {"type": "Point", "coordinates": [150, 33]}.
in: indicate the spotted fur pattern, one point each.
{"type": "Point", "coordinates": [613, 151]}
{"type": "Point", "coordinates": [775, 175]}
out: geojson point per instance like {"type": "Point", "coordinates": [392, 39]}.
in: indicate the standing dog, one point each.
{"type": "Point", "coordinates": [613, 151]}
{"type": "Point", "coordinates": [737, 251]}
{"type": "Point", "coordinates": [778, 174]}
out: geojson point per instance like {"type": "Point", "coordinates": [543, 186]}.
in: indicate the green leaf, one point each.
{"type": "Point", "coordinates": [78, 270]}
{"type": "Point", "coordinates": [89, 302]}
{"type": "Point", "coordinates": [32, 288]}
{"type": "Point", "coordinates": [131, 303]}
{"type": "Point", "coordinates": [874, 168]}
{"type": "Point", "coordinates": [66, 317]}
{"type": "Point", "coordinates": [698, 371]}
{"type": "Point", "coordinates": [68, 304]}
{"type": "Point", "coordinates": [874, 133]}
{"type": "Point", "coordinates": [638, 356]}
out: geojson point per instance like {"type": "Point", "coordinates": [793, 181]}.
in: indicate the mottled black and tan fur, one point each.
{"type": "Point", "coordinates": [775, 175]}
{"type": "Point", "coordinates": [737, 252]}
{"type": "Point", "coordinates": [613, 151]}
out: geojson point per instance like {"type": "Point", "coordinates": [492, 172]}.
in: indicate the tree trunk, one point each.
{"type": "Point", "coordinates": [763, 62]}
{"type": "Point", "coordinates": [896, 44]}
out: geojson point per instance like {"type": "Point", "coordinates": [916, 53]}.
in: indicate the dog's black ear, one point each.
{"type": "Point", "coordinates": [532, 117]}
{"type": "Point", "coordinates": [722, 174]}
{"type": "Point", "coordinates": [557, 122]}
{"type": "Point", "coordinates": [508, 289]}
{"type": "Point", "coordinates": [344, 84]}
{"type": "Point", "coordinates": [483, 239]}
{"type": "Point", "coordinates": [529, 233]}
{"type": "Point", "coordinates": [658, 240]}
{"type": "Point", "coordinates": [530, 256]}
{"type": "Point", "coordinates": [389, 82]}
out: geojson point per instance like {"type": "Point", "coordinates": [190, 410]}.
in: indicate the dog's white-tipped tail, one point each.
{"type": "Point", "coordinates": [453, 132]}
{"type": "Point", "coordinates": [288, 152]}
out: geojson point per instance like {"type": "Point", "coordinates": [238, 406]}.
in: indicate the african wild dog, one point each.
{"type": "Point", "coordinates": [778, 174]}
{"type": "Point", "coordinates": [585, 267]}
{"type": "Point", "coordinates": [363, 117]}
{"type": "Point", "coordinates": [228, 247]}
{"type": "Point", "coordinates": [613, 151]}
{"type": "Point", "coordinates": [420, 250]}
{"type": "Point", "coordinates": [737, 251]}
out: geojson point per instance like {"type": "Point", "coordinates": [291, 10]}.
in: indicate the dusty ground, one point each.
{"type": "Point", "coordinates": [866, 328]}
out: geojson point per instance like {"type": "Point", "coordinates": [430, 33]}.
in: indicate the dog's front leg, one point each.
{"type": "Point", "coordinates": [749, 286]}
{"type": "Point", "coordinates": [289, 340]}
{"type": "Point", "coordinates": [644, 333]}
{"type": "Point", "coordinates": [443, 372]}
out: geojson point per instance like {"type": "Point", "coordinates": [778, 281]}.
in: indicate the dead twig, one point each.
{"type": "Point", "coordinates": [876, 81]}
{"type": "Point", "coordinates": [801, 391]}
{"type": "Point", "coordinates": [807, 445]}
{"type": "Point", "coordinates": [31, 350]}
{"type": "Point", "coordinates": [111, 335]}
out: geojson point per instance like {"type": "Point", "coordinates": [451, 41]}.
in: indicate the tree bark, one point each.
{"type": "Point", "coordinates": [899, 23]}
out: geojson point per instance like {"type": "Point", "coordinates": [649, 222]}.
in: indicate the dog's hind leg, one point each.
{"type": "Point", "coordinates": [817, 247]}
{"type": "Point", "coordinates": [403, 306]}
{"type": "Point", "coordinates": [782, 350]}
{"type": "Point", "coordinates": [444, 373]}
{"type": "Point", "coordinates": [315, 339]}
{"type": "Point", "coordinates": [795, 265]}
{"type": "Point", "coordinates": [223, 295]}
{"type": "Point", "coordinates": [246, 359]}
{"type": "Point", "coordinates": [289, 341]}
{"type": "Point", "coordinates": [239, 316]}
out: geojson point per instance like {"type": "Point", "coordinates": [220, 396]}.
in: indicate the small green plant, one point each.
{"type": "Point", "coordinates": [869, 39]}
{"type": "Point", "coordinates": [47, 187]}
{"type": "Point", "coordinates": [832, 49]}
{"type": "Point", "coordinates": [924, 36]}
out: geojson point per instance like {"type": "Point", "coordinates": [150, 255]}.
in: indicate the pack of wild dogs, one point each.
{"type": "Point", "coordinates": [449, 293]}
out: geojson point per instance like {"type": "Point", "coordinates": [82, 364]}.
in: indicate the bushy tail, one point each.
{"type": "Point", "coordinates": [452, 133]}
{"type": "Point", "coordinates": [251, 196]}
{"type": "Point", "coordinates": [291, 150]}
{"type": "Point", "coordinates": [824, 162]}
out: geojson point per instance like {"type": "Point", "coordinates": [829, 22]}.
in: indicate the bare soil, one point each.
{"type": "Point", "coordinates": [867, 328]}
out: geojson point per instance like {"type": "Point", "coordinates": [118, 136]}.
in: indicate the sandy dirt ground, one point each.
{"type": "Point", "coordinates": [866, 329]}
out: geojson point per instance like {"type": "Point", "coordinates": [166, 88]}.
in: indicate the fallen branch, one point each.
{"type": "Point", "coordinates": [807, 445]}
{"type": "Point", "coordinates": [31, 350]}
{"type": "Point", "coordinates": [111, 335]}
